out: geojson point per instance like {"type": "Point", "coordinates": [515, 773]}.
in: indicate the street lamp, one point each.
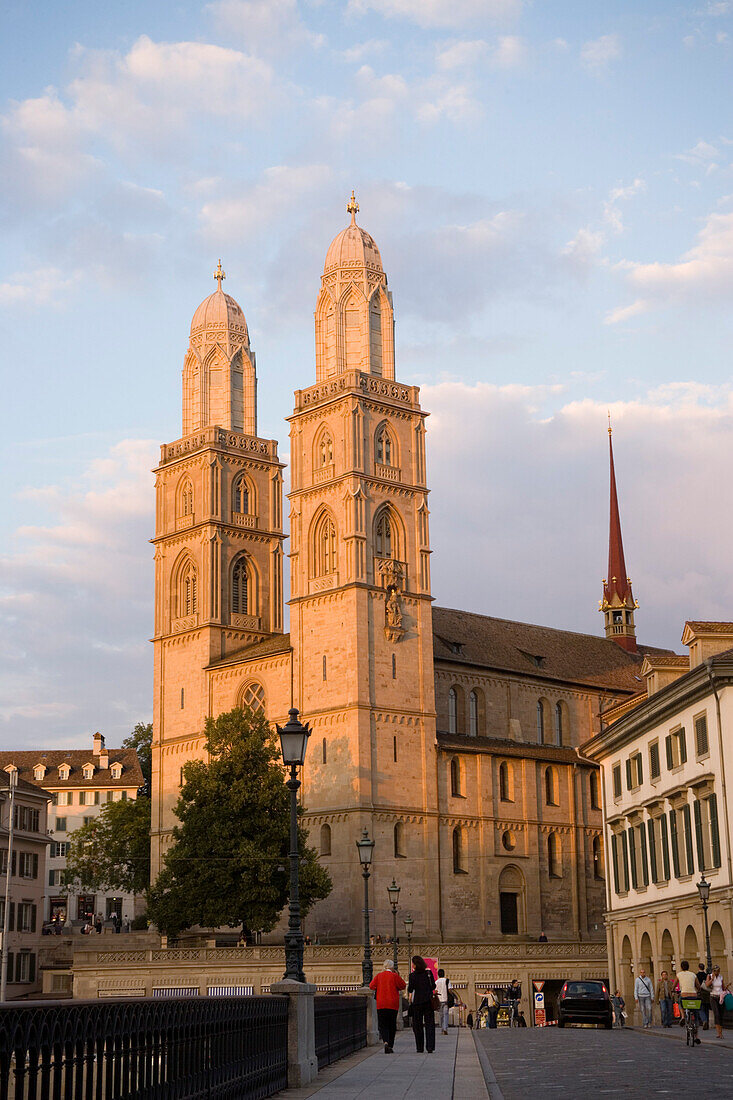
{"type": "Point", "coordinates": [703, 889]}
{"type": "Point", "coordinates": [393, 893]}
{"type": "Point", "coordinates": [408, 923]}
{"type": "Point", "coordinates": [12, 784]}
{"type": "Point", "coordinates": [365, 847]}
{"type": "Point", "coordinates": [293, 744]}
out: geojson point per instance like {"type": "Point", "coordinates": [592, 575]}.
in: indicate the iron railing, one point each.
{"type": "Point", "coordinates": [341, 1027]}
{"type": "Point", "coordinates": [228, 1048]}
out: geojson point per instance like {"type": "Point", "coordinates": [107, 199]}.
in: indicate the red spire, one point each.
{"type": "Point", "coordinates": [618, 602]}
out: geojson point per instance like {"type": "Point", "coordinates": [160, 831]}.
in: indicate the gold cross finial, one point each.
{"type": "Point", "coordinates": [219, 275]}
{"type": "Point", "coordinates": [352, 208]}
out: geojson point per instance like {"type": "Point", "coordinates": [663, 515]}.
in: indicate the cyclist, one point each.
{"type": "Point", "coordinates": [688, 993]}
{"type": "Point", "coordinates": [514, 996]}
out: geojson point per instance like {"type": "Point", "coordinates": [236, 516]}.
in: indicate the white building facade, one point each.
{"type": "Point", "coordinates": [667, 764]}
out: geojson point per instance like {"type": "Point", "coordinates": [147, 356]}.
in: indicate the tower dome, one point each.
{"type": "Point", "coordinates": [219, 315]}
{"type": "Point", "coordinates": [353, 247]}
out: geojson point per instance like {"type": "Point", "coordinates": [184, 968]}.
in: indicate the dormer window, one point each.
{"type": "Point", "coordinates": [64, 771]}
{"type": "Point", "coordinates": [116, 771]}
{"type": "Point", "coordinates": [88, 771]}
{"type": "Point", "coordinates": [39, 772]}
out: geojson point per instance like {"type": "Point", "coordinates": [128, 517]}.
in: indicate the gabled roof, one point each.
{"type": "Point", "coordinates": [500, 746]}
{"type": "Point", "coordinates": [26, 760]}
{"type": "Point", "coordinates": [539, 652]}
{"type": "Point", "coordinates": [276, 643]}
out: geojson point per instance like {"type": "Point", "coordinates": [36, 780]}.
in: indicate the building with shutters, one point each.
{"type": "Point", "coordinates": [666, 766]}
{"type": "Point", "coordinates": [25, 888]}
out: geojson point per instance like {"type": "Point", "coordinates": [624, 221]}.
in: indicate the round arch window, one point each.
{"type": "Point", "coordinates": [509, 840]}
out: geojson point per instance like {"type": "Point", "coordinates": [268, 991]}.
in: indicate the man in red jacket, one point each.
{"type": "Point", "coordinates": [388, 984]}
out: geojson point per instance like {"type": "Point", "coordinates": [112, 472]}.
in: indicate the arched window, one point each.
{"type": "Point", "coordinates": [385, 535]}
{"type": "Point", "coordinates": [551, 797]}
{"type": "Point", "coordinates": [554, 856]}
{"type": "Point", "coordinates": [473, 714]}
{"type": "Point", "coordinates": [558, 723]}
{"type": "Point", "coordinates": [325, 751]}
{"type": "Point", "coordinates": [506, 782]}
{"type": "Point", "coordinates": [595, 791]}
{"type": "Point", "coordinates": [459, 855]}
{"type": "Point", "coordinates": [325, 546]}
{"type": "Point", "coordinates": [455, 777]}
{"type": "Point", "coordinates": [240, 495]}
{"type": "Point", "coordinates": [541, 721]}
{"type": "Point", "coordinates": [185, 498]}
{"type": "Point", "coordinates": [598, 867]}
{"type": "Point", "coordinates": [325, 840]}
{"type": "Point", "coordinates": [399, 840]}
{"type": "Point", "coordinates": [187, 594]}
{"type": "Point", "coordinates": [239, 587]}
{"type": "Point", "coordinates": [325, 450]}
{"type": "Point", "coordinates": [452, 711]}
{"type": "Point", "coordinates": [384, 449]}
{"type": "Point", "coordinates": [253, 697]}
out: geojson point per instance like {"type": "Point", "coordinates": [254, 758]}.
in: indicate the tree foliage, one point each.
{"type": "Point", "coordinates": [228, 864]}
{"type": "Point", "coordinates": [141, 740]}
{"type": "Point", "coordinates": [112, 851]}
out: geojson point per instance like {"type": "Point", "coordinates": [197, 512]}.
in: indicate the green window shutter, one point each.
{"type": "Point", "coordinates": [629, 784]}
{"type": "Point", "coordinates": [714, 834]}
{"type": "Point", "coordinates": [625, 851]}
{"type": "Point", "coordinates": [18, 966]}
{"type": "Point", "coordinates": [675, 842]}
{"type": "Point", "coordinates": [683, 747]}
{"type": "Point", "coordinates": [665, 846]}
{"type": "Point", "coordinates": [614, 857]}
{"type": "Point", "coordinates": [617, 781]}
{"type": "Point", "coordinates": [701, 735]}
{"type": "Point", "coordinates": [33, 918]}
{"type": "Point", "coordinates": [652, 850]}
{"type": "Point", "coordinates": [11, 917]}
{"type": "Point", "coordinates": [699, 836]}
{"type": "Point", "coordinates": [639, 769]}
{"type": "Point", "coordinates": [644, 862]}
{"type": "Point", "coordinates": [654, 770]}
{"type": "Point", "coordinates": [688, 838]}
{"type": "Point", "coordinates": [35, 865]}
{"type": "Point", "coordinates": [668, 746]}
{"type": "Point", "coordinates": [11, 972]}
{"type": "Point", "coordinates": [32, 968]}
{"type": "Point", "coordinates": [632, 853]}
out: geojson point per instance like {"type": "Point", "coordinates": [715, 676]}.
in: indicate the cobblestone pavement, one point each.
{"type": "Point", "coordinates": [585, 1062]}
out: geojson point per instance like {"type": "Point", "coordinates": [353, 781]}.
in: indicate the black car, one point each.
{"type": "Point", "coordinates": [586, 1002]}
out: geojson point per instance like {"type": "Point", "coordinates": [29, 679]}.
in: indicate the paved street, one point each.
{"type": "Point", "coordinates": [587, 1061]}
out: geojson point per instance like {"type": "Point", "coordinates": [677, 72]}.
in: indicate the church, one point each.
{"type": "Point", "coordinates": [452, 737]}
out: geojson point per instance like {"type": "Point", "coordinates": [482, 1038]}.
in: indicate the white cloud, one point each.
{"type": "Point", "coordinates": [360, 50]}
{"type": "Point", "coordinates": [264, 26]}
{"type": "Point", "coordinates": [584, 248]}
{"type": "Point", "coordinates": [611, 212]}
{"type": "Point", "coordinates": [461, 55]}
{"type": "Point", "coordinates": [251, 211]}
{"type": "Point", "coordinates": [42, 286]}
{"type": "Point", "coordinates": [703, 155]}
{"type": "Point", "coordinates": [440, 13]}
{"type": "Point", "coordinates": [596, 55]}
{"type": "Point", "coordinates": [510, 52]}
{"type": "Point", "coordinates": [625, 313]}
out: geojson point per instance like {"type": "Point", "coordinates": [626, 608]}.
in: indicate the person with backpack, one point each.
{"type": "Point", "coordinates": [446, 997]}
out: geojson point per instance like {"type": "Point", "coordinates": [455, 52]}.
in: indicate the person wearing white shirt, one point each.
{"type": "Point", "coordinates": [441, 988]}
{"type": "Point", "coordinates": [643, 993]}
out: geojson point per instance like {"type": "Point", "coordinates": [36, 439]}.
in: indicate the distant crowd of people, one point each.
{"type": "Point", "coordinates": [708, 985]}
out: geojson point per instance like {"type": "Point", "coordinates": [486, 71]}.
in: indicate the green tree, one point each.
{"type": "Point", "coordinates": [112, 852]}
{"type": "Point", "coordinates": [141, 740]}
{"type": "Point", "coordinates": [228, 864]}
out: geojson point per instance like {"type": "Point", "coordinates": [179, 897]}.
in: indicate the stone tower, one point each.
{"type": "Point", "coordinates": [218, 542]}
{"type": "Point", "coordinates": [618, 604]}
{"type": "Point", "coordinates": [361, 627]}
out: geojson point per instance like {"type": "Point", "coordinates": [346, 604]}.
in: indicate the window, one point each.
{"type": "Point", "coordinates": [616, 780]}
{"type": "Point", "coordinates": [559, 730]}
{"type": "Point", "coordinates": [452, 711]}
{"type": "Point", "coordinates": [399, 841]}
{"type": "Point", "coordinates": [706, 833]}
{"type": "Point", "coordinates": [325, 840]}
{"type": "Point", "coordinates": [253, 697]}
{"type": "Point", "coordinates": [324, 671]}
{"type": "Point", "coordinates": [26, 917]}
{"type": "Point", "coordinates": [540, 722]}
{"type": "Point", "coordinates": [394, 666]}
{"type": "Point", "coordinates": [637, 853]}
{"type": "Point", "coordinates": [88, 820]}
{"type": "Point", "coordinates": [658, 848]}
{"type": "Point", "coordinates": [240, 495]}
{"type": "Point", "coordinates": [183, 696]}
{"type": "Point", "coordinates": [25, 966]}
{"type": "Point", "coordinates": [4, 863]}
{"type": "Point", "coordinates": [506, 788]}
{"type": "Point", "coordinates": [60, 824]}
{"type": "Point", "coordinates": [655, 769]}
{"type": "Point", "coordinates": [620, 856]}
{"type": "Point", "coordinates": [676, 747]}
{"type": "Point", "coordinates": [680, 832]}
{"type": "Point", "coordinates": [39, 771]}
{"type": "Point", "coordinates": [239, 587]}
{"type": "Point", "coordinates": [27, 864]}
{"type": "Point", "coordinates": [595, 791]}
{"type": "Point", "coordinates": [187, 596]}
{"type": "Point", "coordinates": [324, 752]}
{"type": "Point", "coordinates": [58, 848]}
{"type": "Point", "coordinates": [64, 771]}
{"type": "Point", "coordinates": [551, 787]}
{"type": "Point", "coordinates": [554, 856]}
{"type": "Point", "coordinates": [26, 819]}
{"type": "Point", "coordinates": [599, 870]}
{"type": "Point", "coordinates": [89, 798]}
{"type": "Point", "coordinates": [54, 878]}
{"type": "Point", "coordinates": [385, 536]}
{"type": "Point", "coordinates": [64, 798]}
{"type": "Point", "coordinates": [325, 546]}
{"type": "Point", "coordinates": [459, 858]}
{"type": "Point", "coordinates": [187, 498]}
{"type": "Point", "coordinates": [473, 714]}
{"type": "Point", "coordinates": [394, 748]}
{"type": "Point", "coordinates": [88, 771]}
{"type": "Point", "coordinates": [702, 746]}
{"type": "Point", "coordinates": [455, 777]}
{"type": "Point", "coordinates": [634, 772]}
{"type": "Point", "coordinates": [384, 448]}
{"type": "Point", "coordinates": [325, 450]}
{"type": "Point", "coordinates": [116, 771]}
{"type": "Point", "coordinates": [110, 796]}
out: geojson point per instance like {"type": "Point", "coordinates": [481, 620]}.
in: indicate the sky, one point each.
{"type": "Point", "coordinates": [551, 188]}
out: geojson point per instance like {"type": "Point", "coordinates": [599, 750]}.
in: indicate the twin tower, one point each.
{"type": "Point", "coordinates": [358, 662]}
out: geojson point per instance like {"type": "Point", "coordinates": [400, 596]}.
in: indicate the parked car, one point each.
{"type": "Point", "coordinates": [586, 1002]}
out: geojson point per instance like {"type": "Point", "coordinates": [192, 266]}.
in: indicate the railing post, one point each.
{"type": "Point", "coordinates": [302, 1061]}
{"type": "Point", "coordinates": [372, 1020]}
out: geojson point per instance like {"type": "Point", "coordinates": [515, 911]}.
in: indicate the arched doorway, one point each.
{"type": "Point", "coordinates": [645, 955]}
{"type": "Point", "coordinates": [690, 949]}
{"type": "Point", "coordinates": [717, 946]}
{"type": "Point", "coordinates": [627, 977]}
{"type": "Point", "coordinates": [666, 953]}
{"type": "Point", "coordinates": [511, 901]}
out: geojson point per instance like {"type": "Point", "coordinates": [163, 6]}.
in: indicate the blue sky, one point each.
{"type": "Point", "coordinates": [551, 187]}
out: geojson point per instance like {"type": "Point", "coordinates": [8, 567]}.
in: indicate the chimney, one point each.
{"type": "Point", "coordinates": [103, 757]}
{"type": "Point", "coordinates": [97, 744]}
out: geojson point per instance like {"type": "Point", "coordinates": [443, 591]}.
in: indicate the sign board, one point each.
{"type": "Point", "coordinates": [538, 985]}
{"type": "Point", "coordinates": [432, 965]}
{"type": "Point", "coordinates": [539, 1017]}
{"type": "Point", "coordinates": [539, 1000]}
{"type": "Point", "coordinates": [539, 1008]}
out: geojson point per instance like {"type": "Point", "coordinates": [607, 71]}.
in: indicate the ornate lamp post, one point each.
{"type": "Point", "coordinates": [703, 889]}
{"type": "Point", "coordinates": [408, 923]}
{"type": "Point", "coordinates": [293, 744]}
{"type": "Point", "coordinates": [393, 893]}
{"type": "Point", "coordinates": [365, 847]}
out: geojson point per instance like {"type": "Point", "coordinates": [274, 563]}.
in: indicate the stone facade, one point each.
{"type": "Point", "coordinates": [451, 736]}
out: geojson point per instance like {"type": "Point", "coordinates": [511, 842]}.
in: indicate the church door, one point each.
{"type": "Point", "coordinates": [508, 910]}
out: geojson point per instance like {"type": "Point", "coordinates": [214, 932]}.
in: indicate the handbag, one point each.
{"type": "Point", "coordinates": [676, 1010]}
{"type": "Point", "coordinates": [436, 1001]}
{"type": "Point", "coordinates": [728, 1002]}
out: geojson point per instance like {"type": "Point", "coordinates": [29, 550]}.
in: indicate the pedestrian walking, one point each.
{"type": "Point", "coordinates": [702, 984]}
{"type": "Point", "coordinates": [618, 1004]}
{"type": "Point", "coordinates": [388, 984]}
{"type": "Point", "coordinates": [717, 989]}
{"type": "Point", "coordinates": [442, 987]}
{"type": "Point", "coordinates": [643, 992]}
{"type": "Point", "coordinates": [420, 988]}
{"type": "Point", "coordinates": [664, 996]}
{"type": "Point", "coordinates": [469, 1021]}
{"type": "Point", "coordinates": [492, 1007]}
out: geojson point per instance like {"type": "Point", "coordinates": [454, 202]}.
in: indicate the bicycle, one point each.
{"type": "Point", "coordinates": [513, 1014]}
{"type": "Point", "coordinates": [691, 1007]}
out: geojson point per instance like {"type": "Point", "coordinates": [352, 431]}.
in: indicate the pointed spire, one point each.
{"type": "Point", "coordinates": [618, 602]}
